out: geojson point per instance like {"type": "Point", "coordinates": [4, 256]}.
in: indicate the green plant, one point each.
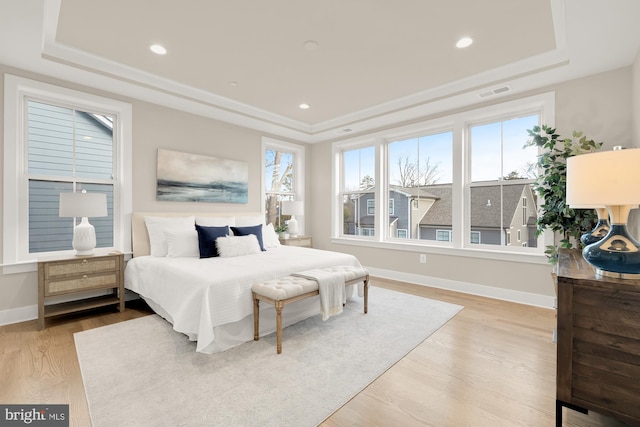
{"type": "Point", "coordinates": [281, 228]}
{"type": "Point", "coordinates": [551, 186]}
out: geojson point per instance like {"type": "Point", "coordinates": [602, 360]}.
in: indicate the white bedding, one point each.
{"type": "Point", "coordinates": [210, 300]}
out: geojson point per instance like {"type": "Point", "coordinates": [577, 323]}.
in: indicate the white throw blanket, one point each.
{"type": "Point", "coordinates": [331, 288]}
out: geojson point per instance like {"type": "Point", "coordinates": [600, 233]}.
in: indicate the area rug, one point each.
{"type": "Point", "coordinates": [142, 373]}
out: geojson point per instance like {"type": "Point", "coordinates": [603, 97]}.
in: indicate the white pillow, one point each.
{"type": "Point", "coordinates": [182, 243]}
{"type": "Point", "coordinates": [156, 226]}
{"type": "Point", "coordinates": [269, 236]}
{"type": "Point", "coordinates": [230, 246]}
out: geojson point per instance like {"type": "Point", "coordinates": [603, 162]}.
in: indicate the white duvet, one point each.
{"type": "Point", "coordinates": [202, 296]}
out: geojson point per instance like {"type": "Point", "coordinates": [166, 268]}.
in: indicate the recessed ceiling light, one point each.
{"type": "Point", "coordinates": [233, 84]}
{"type": "Point", "coordinates": [464, 42]}
{"type": "Point", "coordinates": [158, 49]}
{"type": "Point", "coordinates": [304, 106]}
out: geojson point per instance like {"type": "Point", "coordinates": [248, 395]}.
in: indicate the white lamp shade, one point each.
{"type": "Point", "coordinates": [607, 178]}
{"type": "Point", "coordinates": [82, 205]}
{"type": "Point", "coordinates": [293, 208]}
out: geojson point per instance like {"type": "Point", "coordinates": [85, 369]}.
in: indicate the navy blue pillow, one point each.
{"type": "Point", "coordinates": [245, 231]}
{"type": "Point", "coordinates": [207, 239]}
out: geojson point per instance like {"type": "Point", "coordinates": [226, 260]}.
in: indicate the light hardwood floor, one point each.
{"type": "Point", "coordinates": [491, 365]}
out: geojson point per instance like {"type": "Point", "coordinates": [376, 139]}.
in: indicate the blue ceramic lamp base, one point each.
{"type": "Point", "coordinates": [615, 255]}
{"type": "Point", "coordinates": [601, 229]}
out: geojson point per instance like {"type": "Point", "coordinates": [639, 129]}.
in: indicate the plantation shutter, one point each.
{"type": "Point", "coordinates": [67, 150]}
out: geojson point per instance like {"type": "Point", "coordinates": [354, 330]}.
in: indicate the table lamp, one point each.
{"type": "Point", "coordinates": [83, 205]}
{"type": "Point", "coordinates": [293, 208]}
{"type": "Point", "coordinates": [610, 179]}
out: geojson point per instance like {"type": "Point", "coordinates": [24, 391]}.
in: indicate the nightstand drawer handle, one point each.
{"type": "Point", "coordinates": [84, 261]}
{"type": "Point", "coordinates": [85, 277]}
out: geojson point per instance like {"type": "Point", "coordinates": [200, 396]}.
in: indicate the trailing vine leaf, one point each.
{"type": "Point", "coordinates": [551, 187]}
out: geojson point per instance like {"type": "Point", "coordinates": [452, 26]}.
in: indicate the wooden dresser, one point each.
{"type": "Point", "coordinates": [598, 363]}
{"type": "Point", "coordinates": [71, 277]}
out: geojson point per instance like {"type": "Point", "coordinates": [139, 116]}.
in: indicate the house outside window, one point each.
{"type": "Point", "coordinates": [283, 179]}
{"type": "Point", "coordinates": [480, 185]}
{"type": "Point", "coordinates": [65, 141]}
{"type": "Point", "coordinates": [68, 150]}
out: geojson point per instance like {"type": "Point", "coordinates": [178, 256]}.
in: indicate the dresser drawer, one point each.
{"type": "Point", "coordinates": [79, 267]}
{"type": "Point", "coordinates": [80, 283]}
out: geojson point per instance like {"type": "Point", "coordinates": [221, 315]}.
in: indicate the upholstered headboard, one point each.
{"type": "Point", "coordinates": [140, 237]}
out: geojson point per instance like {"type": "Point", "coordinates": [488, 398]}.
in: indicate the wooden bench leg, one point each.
{"type": "Point", "coordinates": [256, 318]}
{"type": "Point", "coordinates": [366, 294]}
{"type": "Point", "coordinates": [279, 306]}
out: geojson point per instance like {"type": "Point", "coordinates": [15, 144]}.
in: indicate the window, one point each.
{"type": "Point", "coordinates": [420, 171]}
{"type": "Point", "coordinates": [371, 207]}
{"type": "Point", "coordinates": [283, 179]}
{"type": "Point", "coordinates": [502, 173]}
{"type": "Point", "coordinates": [65, 141]}
{"type": "Point", "coordinates": [475, 237]}
{"type": "Point", "coordinates": [67, 150]}
{"type": "Point", "coordinates": [519, 233]}
{"type": "Point", "coordinates": [508, 238]}
{"type": "Point", "coordinates": [453, 183]}
{"type": "Point", "coordinates": [443, 235]}
{"type": "Point", "coordinates": [357, 191]}
{"type": "Point", "coordinates": [401, 234]}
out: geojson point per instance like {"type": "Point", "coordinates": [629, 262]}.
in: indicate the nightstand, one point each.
{"type": "Point", "coordinates": [78, 274]}
{"type": "Point", "coordinates": [303, 241]}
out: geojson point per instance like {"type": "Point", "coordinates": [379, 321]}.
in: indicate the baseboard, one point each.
{"type": "Point", "coordinates": [17, 315]}
{"type": "Point", "coordinates": [528, 298]}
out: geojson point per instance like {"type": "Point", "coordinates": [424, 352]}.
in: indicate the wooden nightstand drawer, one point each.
{"type": "Point", "coordinates": [84, 283]}
{"type": "Point", "coordinates": [79, 267]}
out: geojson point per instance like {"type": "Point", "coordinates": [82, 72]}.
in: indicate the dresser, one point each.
{"type": "Point", "coordinates": [72, 277]}
{"type": "Point", "coordinates": [598, 359]}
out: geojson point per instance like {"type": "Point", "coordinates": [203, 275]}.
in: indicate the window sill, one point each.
{"type": "Point", "coordinates": [530, 258]}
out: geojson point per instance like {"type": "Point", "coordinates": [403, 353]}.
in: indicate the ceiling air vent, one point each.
{"type": "Point", "coordinates": [495, 91]}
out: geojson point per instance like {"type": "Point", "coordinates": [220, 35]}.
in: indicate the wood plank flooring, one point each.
{"type": "Point", "coordinates": [491, 365]}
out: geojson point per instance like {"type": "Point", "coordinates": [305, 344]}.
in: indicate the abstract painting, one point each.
{"type": "Point", "coordinates": [184, 177]}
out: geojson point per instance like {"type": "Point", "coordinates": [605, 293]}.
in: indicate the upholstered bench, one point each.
{"type": "Point", "coordinates": [289, 289]}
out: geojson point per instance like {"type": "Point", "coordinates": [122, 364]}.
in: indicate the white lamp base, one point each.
{"type": "Point", "coordinates": [84, 238]}
{"type": "Point", "coordinates": [292, 226]}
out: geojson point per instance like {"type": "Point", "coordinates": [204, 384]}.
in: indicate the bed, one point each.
{"type": "Point", "coordinates": [209, 299]}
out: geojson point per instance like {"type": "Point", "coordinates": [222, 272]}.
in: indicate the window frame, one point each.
{"type": "Point", "coordinates": [542, 104]}
{"type": "Point", "coordinates": [17, 91]}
